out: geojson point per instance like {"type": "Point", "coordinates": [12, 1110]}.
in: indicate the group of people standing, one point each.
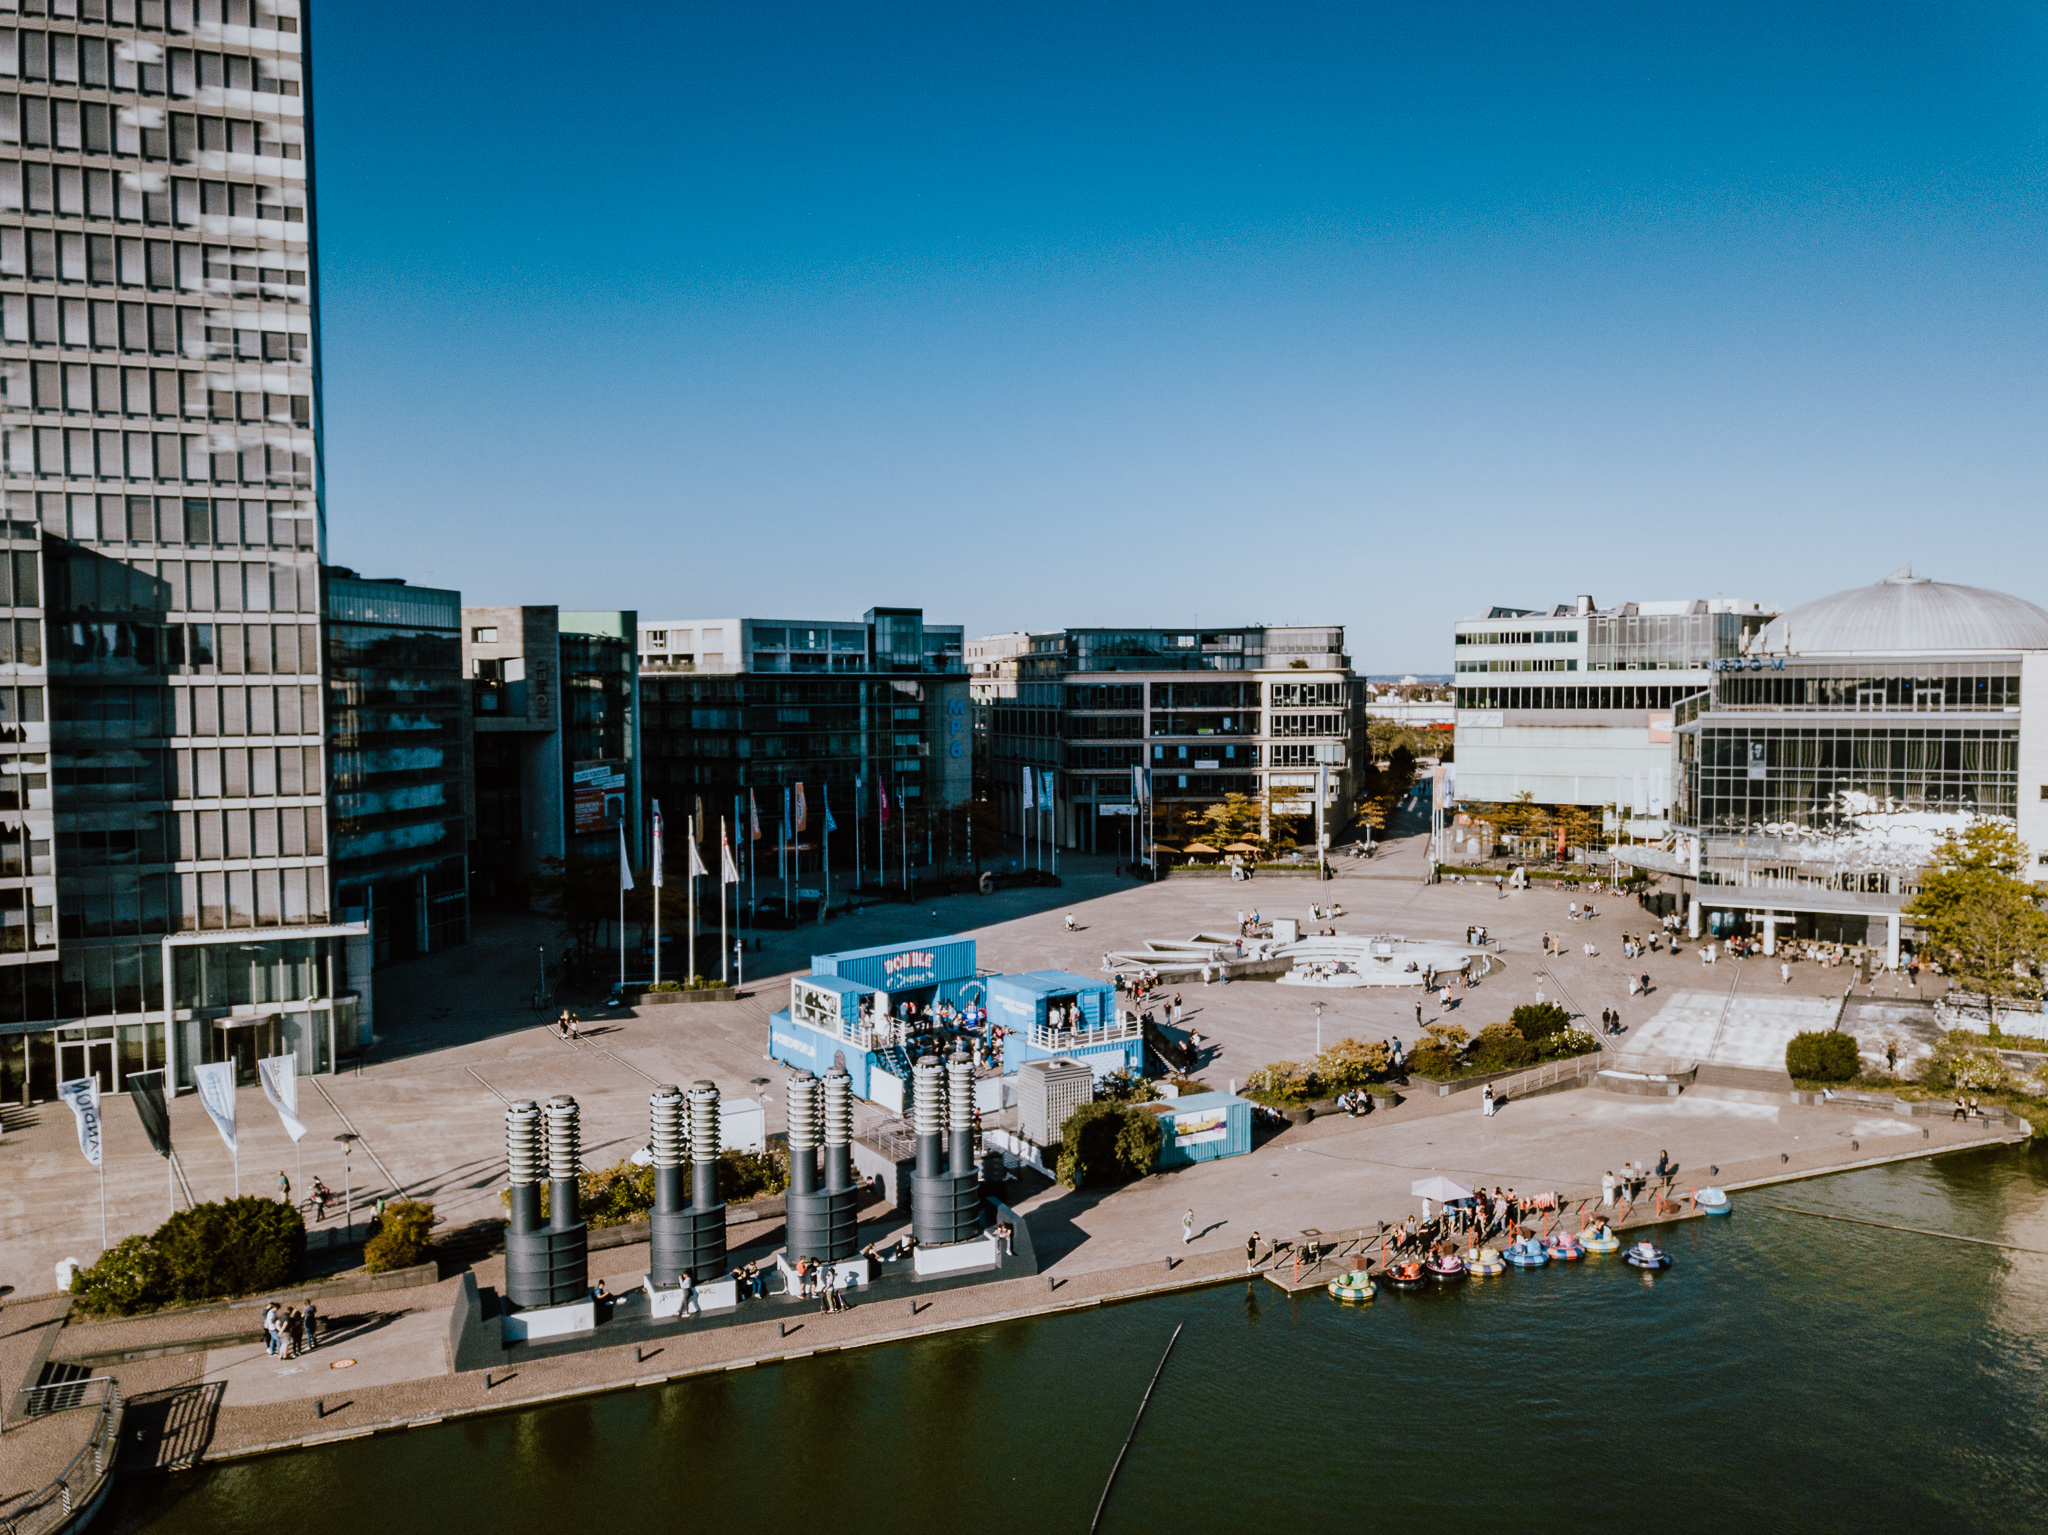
{"type": "Point", "coordinates": [290, 1330]}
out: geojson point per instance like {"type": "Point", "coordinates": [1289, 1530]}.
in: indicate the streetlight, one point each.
{"type": "Point", "coordinates": [348, 1138]}
{"type": "Point", "coordinates": [1319, 1025]}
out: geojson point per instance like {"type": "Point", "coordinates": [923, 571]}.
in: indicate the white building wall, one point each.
{"type": "Point", "coordinates": [2033, 803]}
{"type": "Point", "coordinates": [1587, 765]}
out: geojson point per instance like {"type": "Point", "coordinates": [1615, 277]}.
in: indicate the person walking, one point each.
{"type": "Point", "coordinates": [1500, 887]}
{"type": "Point", "coordinates": [311, 1317]}
{"type": "Point", "coordinates": [284, 1188]}
{"type": "Point", "coordinates": [1785, 972]}
{"type": "Point", "coordinates": [1486, 1101]}
{"type": "Point", "coordinates": [1187, 1228]}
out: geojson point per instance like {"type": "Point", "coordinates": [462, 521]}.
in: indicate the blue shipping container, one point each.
{"type": "Point", "coordinates": [902, 966]}
{"type": "Point", "coordinates": [1202, 1127]}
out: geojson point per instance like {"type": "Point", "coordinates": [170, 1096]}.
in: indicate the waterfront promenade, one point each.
{"type": "Point", "coordinates": [456, 1045]}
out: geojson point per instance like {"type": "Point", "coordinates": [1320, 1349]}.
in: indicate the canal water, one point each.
{"type": "Point", "coordinates": [1786, 1374]}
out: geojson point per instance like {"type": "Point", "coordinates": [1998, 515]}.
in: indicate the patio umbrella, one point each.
{"type": "Point", "coordinates": [1440, 1189]}
{"type": "Point", "coordinates": [1240, 847]}
{"type": "Point", "coordinates": [1199, 847]}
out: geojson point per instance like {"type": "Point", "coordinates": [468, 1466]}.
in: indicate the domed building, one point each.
{"type": "Point", "coordinates": [1825, 762]}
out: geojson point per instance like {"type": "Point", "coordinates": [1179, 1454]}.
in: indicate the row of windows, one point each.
{"type": "Point", "coordinates": [229, 649]}
{"type": "Point", "coordinates": [120, 902]}
{"type": "Point", "coordinates": [197, 836]}
{"type": "Point", "coordinates": [1311, 695]}
{"type": "Point", "coordinates": [1521, 637]}
{"type": "Point", "coordinates": [82, 453]}
{"type": "Point", "coordinates": [1206, 724]}
{"type": "Point", "coordinates": [94, 584]}
{"type": "Point", "coordinates": [112, 391]}
{"type": "Point", "coordinates": [167, 15]}
{"type": "Point", "coordinates": [108, 325]}
{"type": "Point", "coordinates": [1823, 777]}
{"type": "Point", "coordinates": [98, 128]}
{"type": "Point", "coordinates": [98, 62]}
{"type": "Point", "coordinates": [1106, 695]}
{"type": "Point", "coordinates": [1308, 725]}
{"type": "Point", "coordinates": [243, 772]}
{"type": "Point", "coordinates": [58, 255]}
{"type": "Point", "coordinates": [73, 191]}
{"type": "Point", "coordinates": [1205, 695]}
{"type": "Point", "coordinates": [106, 519]}
{"type": "Point", "coordinates": [1573, 698]}
{"type": "Point", "coordinates": [1104, 756]}
{"type": "Point", "coordinates": [1307, 754]}
{"type": "Point", "coordinates": [1105, 727]}
{"type": "Point", "coordinates": [1220, 752]}
{"type": "Point", "coordinates": [1736, 691]}
{"type": "Point", "coordinates": [1537, 664]}
{"type": "Point", "coordinates": [127, 712]}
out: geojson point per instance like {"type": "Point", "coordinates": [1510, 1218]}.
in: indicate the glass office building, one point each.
{"type": "Point", "coordinates": [164, 878]}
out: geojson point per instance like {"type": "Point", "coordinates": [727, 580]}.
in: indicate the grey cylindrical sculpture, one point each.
{"type": "Point", "coordinates": [676, 1232]}
{"type": "Point", "coordinates": [707, 1207]}
{"type": "Point", "coordinates": [545, 1265]}
{"type": "Point", "coordinates": [838, 1203]}
{"type": "Point", "coordinates": [807, 1224]}
{"type": "Point", "coordinates": [945, 1202]}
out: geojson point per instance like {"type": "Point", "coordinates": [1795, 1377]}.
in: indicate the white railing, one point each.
{"type": "Point", "coordinates": [1544, 1075]}
{"type": "Point", "coordinates": [1045, 1037]}
{"type": "Point", "coordinates": [81, 1482]}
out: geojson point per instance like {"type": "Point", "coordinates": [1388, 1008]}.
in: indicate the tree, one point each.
{"type": "Point", "coordinates": [1980, 917]}
{"type": "Point", "coordinates": [1401, 766]}
{"type": "Point", "coordinates": [1235, 819]}
{"type": "Point", "coordinates": [1383, 736]}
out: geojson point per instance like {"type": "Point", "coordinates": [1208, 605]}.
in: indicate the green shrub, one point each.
{"type": "Point", "coordinates": [402, 1236]}
{"type": "Point", "coordinates": [209, 1252]}
{"type": "Point", "coordinates": [1350, 1063]}
{"type": "Point", "coordinates": [1108, 1143]}
{"type": "Point", "coordinates": [1823, 1056]}
{"type": "Point", "coordinates": [1501, 1047]}
{"type": "Point", "coordinates": [624, 1192]}
{"type": "Point", "coordinates": [1962, 1061]}
{"type": "Point", "coordinates": [1434, 1062]}
{"type": "Point", "coordinates": [1538, 1020]}
{"type": "Point", "coordinates": [1284, 1084]}
{"type": "Point", "coordinates": [667, 986]}
{"type": "Point", "coordinates": [130, 1276]}
{"type": "Point", "coordinates": [1566, 1042]}
{"type": "Point", "coordinates": [1126, 1086]}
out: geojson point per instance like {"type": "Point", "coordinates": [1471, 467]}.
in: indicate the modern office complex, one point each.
{"type": "Point", "coordinates": [1818, 769]}
{"type": "Point", "coordinates": [397, 712]}
{"type": "Point", "coordinates": [554, 741]}
{"type": "Point", "coordinates": [1253, 711]}
{"type": "Point", "coordinates": [1573, 704]}
{"type": "Point", "coordinates": [739, 707]}
{"type": "Point", "coordinates": [164, 878]}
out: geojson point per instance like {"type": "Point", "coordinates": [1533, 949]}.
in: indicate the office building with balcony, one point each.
{"type": "Point", "coordinates": [1573, 704]}
{"type": "Point", "coordinates": [751, 707]}
{"type": "Point", "coordinates": [397, 716]}
{"type": "Point", "coordinates": [1264, 711]}
{"type": "Point", "coordinates": [165, 889]}
{"type": "Point", "coordinates": [1819, 768]}
{"type": "Point", "coordinates": [554, 743]}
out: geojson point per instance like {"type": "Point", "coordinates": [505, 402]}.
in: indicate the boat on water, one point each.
{"type": "Point", "coordinates": [1352, 1285]}
{"type": "Point", "coordinates": [1601, 1239]}
{"type": "Point", "coordinates": [1565, 1248]}
{"type": "Point", "coordinates": [1647, 1255]}
{"type": "Point", "coordinates": [1446, 1268]}
{"type": "Point", "coordinates": [1712, 1202]}
{"type": "Point", "coordinates": [1407, 1274]}
{"type": "Point", "coordinates": [1484, 1262]}
{"type": "Point", "coordinates": [1527, 1253]}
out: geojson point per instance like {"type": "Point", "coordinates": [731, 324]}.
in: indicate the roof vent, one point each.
{"type": "Point", "coordinates": [1585, 605]}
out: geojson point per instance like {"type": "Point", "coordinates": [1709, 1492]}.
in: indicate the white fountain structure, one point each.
{"type": "Point", "coordinates": [1334, 962]}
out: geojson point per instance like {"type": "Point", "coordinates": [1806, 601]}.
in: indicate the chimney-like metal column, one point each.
{"type": "Point", "coordinates": [545, 1264]}
{"type": "Point", "coordinates": [928, 1090]}
{"type": "Point", "coordinates": [669, 1244]}
{"type": "Point", "coordinates": [523, 1164]}
{"type": "Point", "coordinates": [807, 1219]}
{"type": "Point", "coordinates": [565, 1161]}
{"type": "Point", "coordinates": [705, 1144]}
{"type": "Point", "coordinates": [960, 1116]}
{"type": "Point", "coordinates": [838, 1131]}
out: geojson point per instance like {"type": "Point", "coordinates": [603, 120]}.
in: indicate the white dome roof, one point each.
{"type": "Point", "coordinates": [1905, 614]}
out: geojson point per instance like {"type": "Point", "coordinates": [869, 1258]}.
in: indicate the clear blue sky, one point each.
{"type": "Point", "coordinates": [1102, 314]}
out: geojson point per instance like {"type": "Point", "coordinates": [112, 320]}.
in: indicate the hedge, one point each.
{"type": "Point", "coordinates": [402, 1235]}
{"type": "Point", "coordinates": [1823, 1057]}
{"type": "Point", "coordinates": [1108, 1143]}
{"type": "Point", "coordinates": [210, 1252]}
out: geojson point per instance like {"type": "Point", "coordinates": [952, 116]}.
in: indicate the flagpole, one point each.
{"type": "Point", "coordinates": [724, 942]}
{"type": "Point", "coordinates": [622, 909]}
{"type": "Point", "coordinates": [657, 922]}
{"type": "Point", "coordinates": [903, 821]}
{"type": "Point", "coordinates": [825, 842]}
{"type": "Point", "coordinates": [857, 797]}
{"type": "Point", "coordinates": [692, 975]}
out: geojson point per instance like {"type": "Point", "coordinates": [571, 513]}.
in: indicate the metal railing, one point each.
{"type": "Point", "coordinates": [1045, 1037]}
{"type": "Point", "coordinates": [82, 1481]}
{"type": "Point", "coordinates": [1544, 1075]}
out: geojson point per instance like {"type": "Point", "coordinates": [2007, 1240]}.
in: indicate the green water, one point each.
{"type": "Point", "coordinates": [1787, 1374]}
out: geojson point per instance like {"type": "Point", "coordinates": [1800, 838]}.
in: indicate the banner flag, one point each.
{"type": "Point", "coordinates": [216, 1083]}
{"type": "Point", "coordinates": [82, 1096]}
{"type": "Point", "coordinates": [1027, 789]}
{"type": "Point", "coordinates": [696, 863]}
{"type": "Point", "coordinates": [825, 799]}
{"type": "Point", "coordinates": [146, 1090]}
{"type": "Point", "coordinates": [882, 790]}
{"type": "Point", "coordinates": [1045, 789]}
{"type": "Point", "coordinates": [803, 814]}
{"type": "Point", "coordinates": [279, 1075]}
{"type": "Point", "coordinates": [753, 818]}
{"type": "Point", "coordinates": [782, 839]}
{"type": "Point", "coordinates": [657, 844]}
{"type": "Point", "coordinates": [700, 828]}
{"type": "Point", "coordinates": [728, 871]}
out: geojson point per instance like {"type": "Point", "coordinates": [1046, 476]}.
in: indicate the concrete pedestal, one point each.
{"type": "Point", "coordinates": [550, 1321]}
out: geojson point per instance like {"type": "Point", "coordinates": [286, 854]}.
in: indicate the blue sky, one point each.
{"type": "Point", "coordinates": [1051, 315]}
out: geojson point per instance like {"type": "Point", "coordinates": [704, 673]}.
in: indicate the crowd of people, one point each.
{"type": "Point", "coordinates": [290, 1331]}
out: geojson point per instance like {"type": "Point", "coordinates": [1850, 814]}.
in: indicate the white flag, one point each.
{"type": "Point", "coordinates": [728, 871]}
{"type": "Point", "coordinates": [657, 843]}
{"type": "Point", "coordinates": [696, 863]}
{"type": "Point", "coordinates": [83, 1096]}
{"type": "Point", "coordinates": [216, 1084]}
{"type": "Point", "coordinates": [1027, 788]}
{"type": "Point", "coordinates": [279, 1075]}
{"type": "Point", "coordinates": [625, 868]}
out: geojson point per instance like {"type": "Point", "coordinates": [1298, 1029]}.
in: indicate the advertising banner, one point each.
{"type": "Point", "coordinates": [279, 1075]}
{"type": "Point", "coordinates": [599, 788]}
{"type": "Point", "coordinates": [216, 1084]}
{"type": "Point", "coordinates": [146, 1090]}
{"type": "Point", "coordinates": [82, 1097]}
{"type": "Point", "coordinates": [1203, 1125]}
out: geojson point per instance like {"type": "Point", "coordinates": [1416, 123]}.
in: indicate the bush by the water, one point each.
{"type": "Point", "coordinates": [1535, 1020]}
{"type": "Point", "coordinates": [1823, 1056]}
{"type": "Point", "coordinates": [209, 1252]}
{"type": "Point", "coordinates": [1108, 1143]}
{"type": "Point", "coordinates": [401, 1238]}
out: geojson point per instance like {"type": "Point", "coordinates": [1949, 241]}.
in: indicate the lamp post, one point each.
{"type": "Point", "coordinates": [540, 1005]}
{"type": "Point", "coordinates": [1319, 1025]}
{"type": "Point", "coordinates": [348, 1138]}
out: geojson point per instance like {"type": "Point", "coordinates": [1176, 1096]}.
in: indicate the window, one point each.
{"type": "Point", "coordinates": [487, 634]}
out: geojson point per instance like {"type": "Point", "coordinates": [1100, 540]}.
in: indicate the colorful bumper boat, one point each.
{"type": "Point", "coordinates": [1647, 1255]}
{"type": "Point", "coordinates": [1565, 1248]}
{"type": "Point", "coordinates": [1353, 1284]}
{"type": "Point", "coordinates": [1527, 1253]}
{"type": "Point", "coordinates": [1712, 1202]}
{"type": "Point", "coordinates": [1446, 1268]}
{"type": "Point", "coordinates": [1601, 1239]}
{"type": "Point", "coordinates": [1408, 1274]}
{"type": "Point", "coordinates": [1484, 1262]}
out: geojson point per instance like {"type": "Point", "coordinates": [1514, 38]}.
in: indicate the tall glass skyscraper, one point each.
{"type": "Point", "coordinates": [164, 886]}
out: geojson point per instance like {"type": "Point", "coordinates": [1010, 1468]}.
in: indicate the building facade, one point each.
{"type": "Point", "coordinates": [745, 709]}
{"type": "Point", "coordinates": [164, 874]}
{"type": "Point", "coordinates": [1573, 704]}
{"type": "Point", "coordinates": [1819, 769]}
{"type": "Point", "coordinates": [1261, 711]}
{"type": "Point", "coordinates": [396, 710]}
